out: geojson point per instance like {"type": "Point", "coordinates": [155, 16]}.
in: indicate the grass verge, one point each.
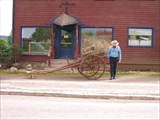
{"type": "Point", "coordinates": [61, 73]}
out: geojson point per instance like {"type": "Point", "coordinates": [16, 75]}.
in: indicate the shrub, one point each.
{"type": "Point", "coordinates": [9, 52]}
{"type": "Point", "coordinates": [16, 52]}
{"type": "Point", "coordinates": [5, 53]}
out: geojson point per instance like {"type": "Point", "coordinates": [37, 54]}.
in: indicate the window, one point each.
{"type": "Point", "coordinates": [140, 37]}
{"type": "Point", "coordinates": [141, 0]}
{"type": "Point", "coordinates": [36, 40]}
{"type": "Point", "coordinates": [95, 39]}
{"type": "Point", "coordinates": [66, 39]}
{"type": "Point", "coordinates": [104, 0]}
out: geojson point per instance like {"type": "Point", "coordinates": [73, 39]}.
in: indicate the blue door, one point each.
{"type": "Point", "coordinates": [65, 42]}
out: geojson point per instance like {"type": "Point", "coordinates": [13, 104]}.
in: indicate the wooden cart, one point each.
{"type": "Point", "coordinates": [91, 65]}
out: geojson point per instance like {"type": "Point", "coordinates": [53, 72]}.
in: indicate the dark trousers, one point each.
{"type": "Point", "coordinates": [113, 66]}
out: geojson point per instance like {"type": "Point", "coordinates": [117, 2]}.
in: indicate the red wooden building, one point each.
{"type": "Point", "coordinates": [39, 25]}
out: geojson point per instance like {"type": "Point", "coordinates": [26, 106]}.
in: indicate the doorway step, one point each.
{"type": "Point", "coordinates": [57, 63]}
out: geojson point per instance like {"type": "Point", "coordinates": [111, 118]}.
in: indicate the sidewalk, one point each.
{"type": "Point", "coordinates": [124, 87]}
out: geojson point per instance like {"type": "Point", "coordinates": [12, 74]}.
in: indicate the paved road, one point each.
{"type": "Point", "coordinates": [124, 87]}
{"type": "Point", "coordinates": [22, 107]}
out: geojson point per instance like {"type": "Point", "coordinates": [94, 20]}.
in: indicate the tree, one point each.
{"type": "Point", "coordinates": [5, 53]}
{"type": "Point", "coordinates": [10, 39]}
{"type": "Point", "coordinates": [42, 34]}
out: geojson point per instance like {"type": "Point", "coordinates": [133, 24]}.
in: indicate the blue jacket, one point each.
{"type": "Point", "coordinates": [114, 52]}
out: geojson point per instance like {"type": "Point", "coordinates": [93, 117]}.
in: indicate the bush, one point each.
{"type": "Point", "coordinates": [16, 52]}
{"type": "Point", "coordinates": [5, 53]}
{"type": "Point", "coordinates": [9, 52]}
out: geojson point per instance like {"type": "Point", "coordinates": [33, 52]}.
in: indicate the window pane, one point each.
{"type": "Point", "coordinates": [139, 37]}
{"type": "Point", "coordinates": [36, 40]}
{"type": "Point", "coordinates": [100, 38]}
{"type": "Point", "coordinates": [66, 39]}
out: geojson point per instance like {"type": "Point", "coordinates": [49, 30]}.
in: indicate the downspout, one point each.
{"type": "Point", "coordinates": [13, 12]}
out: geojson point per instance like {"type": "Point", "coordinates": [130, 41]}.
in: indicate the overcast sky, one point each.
{"type": "Point", "coordinates": [6, 8]}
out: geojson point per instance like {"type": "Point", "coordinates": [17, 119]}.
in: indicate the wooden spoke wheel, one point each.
{"type": "Point", "coordinates": [92, 67]}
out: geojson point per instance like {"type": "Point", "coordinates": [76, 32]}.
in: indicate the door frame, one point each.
{"type": "Point", "coordinates": [62, 53]}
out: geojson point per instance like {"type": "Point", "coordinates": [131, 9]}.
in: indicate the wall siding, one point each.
{"type": "Point", "coordinates": [119, 14]}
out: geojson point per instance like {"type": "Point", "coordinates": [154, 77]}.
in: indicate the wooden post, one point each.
{"type": "Point", "coordinates": [76, 54]}
{"type": "Point", "coordinates": [51, 50]}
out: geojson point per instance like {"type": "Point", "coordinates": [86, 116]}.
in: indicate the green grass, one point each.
{"type": "Point", "coordinates": [138, 73]}
{"type": "Point", "coordinates": [60, 73]}
{"type": "Point", "coordinates": [8, 72]}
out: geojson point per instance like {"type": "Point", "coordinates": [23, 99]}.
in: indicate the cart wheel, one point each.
{"type": "Point", "coordinates": [92, 67]}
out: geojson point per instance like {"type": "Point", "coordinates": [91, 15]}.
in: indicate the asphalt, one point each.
{"type": "Point", "coordinates": [123, 87]}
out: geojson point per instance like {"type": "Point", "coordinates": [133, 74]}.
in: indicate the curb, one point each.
{"type": "Point", "coordinates": [106, 96]}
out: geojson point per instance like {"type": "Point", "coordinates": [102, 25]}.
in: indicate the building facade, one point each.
{"type": "Point", "coordinates": [63, 27]}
